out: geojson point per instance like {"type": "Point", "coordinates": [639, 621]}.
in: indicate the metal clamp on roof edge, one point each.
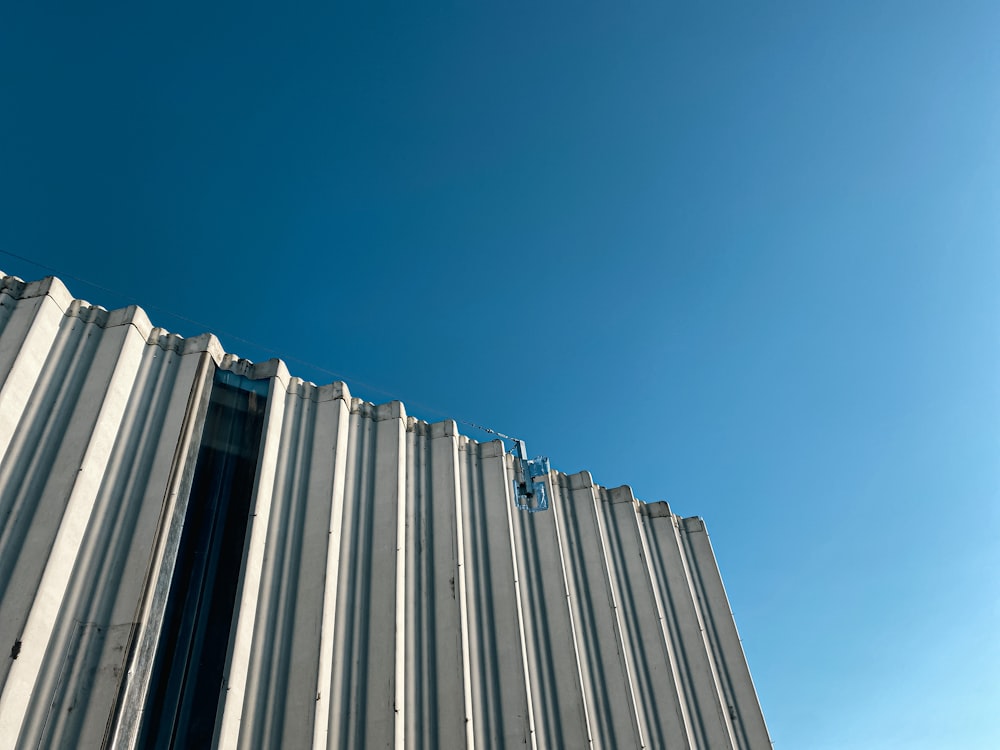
{"type": "Point", "coordinates": [529, 490]}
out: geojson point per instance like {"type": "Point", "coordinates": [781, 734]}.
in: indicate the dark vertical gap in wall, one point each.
{"type": "Point", "coordinates": [186, 683]}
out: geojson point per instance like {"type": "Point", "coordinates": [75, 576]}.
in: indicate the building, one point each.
{"type": "Point", "coordinates": [200, 551]}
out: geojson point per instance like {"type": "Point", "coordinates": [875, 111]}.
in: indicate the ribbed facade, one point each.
{"type": "Point", "coordinates": [199, 551]}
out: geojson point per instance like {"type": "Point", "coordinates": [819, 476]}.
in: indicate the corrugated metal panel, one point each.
{"type": "Point", "coordinates": [390, 594]}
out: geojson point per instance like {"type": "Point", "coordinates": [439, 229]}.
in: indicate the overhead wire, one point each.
{"type": "Point", "coordinates": [259, 347]}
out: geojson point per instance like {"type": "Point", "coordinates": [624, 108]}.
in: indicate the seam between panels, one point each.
{"type": "Point", "coordinates": [686, 645]}
{"type": "Point", "coordinates": [675, 673]}
{"type": "Point", "coordinates": [619, 632]}
{"type": "Point", "coordinates": [520, 608]}
{"type": "Point", "coordinates": [463, 604]}
{"type": "Point", "coordinates": [324, 682]}
{"type": "Point", "coordinates": [399, 689]}
{"type": "Point", "coordinates": [268, 599]}
{"type": "Point", "coordinates": [294, 573]}
{"type": "Point", "coordinates": [729, 620]}
{"type": "Point", "coordinates": [282, 566]}
{"type": "Point", "coordinates": [693, 572]}
{"type": "Point", "coordinates": [557, 522]}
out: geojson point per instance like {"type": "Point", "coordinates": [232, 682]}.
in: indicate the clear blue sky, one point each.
{"type": "Point", "coordinates": [744, 257]}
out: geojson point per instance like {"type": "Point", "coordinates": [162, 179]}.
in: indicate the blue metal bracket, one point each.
{"type": "Point", "coordinates": [529, 491]}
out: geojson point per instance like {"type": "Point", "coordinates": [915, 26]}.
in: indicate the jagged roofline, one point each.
{"type": "Point", "coordinates": [134, 315]}
{"type": "Point", "coordinates": [605, 619]}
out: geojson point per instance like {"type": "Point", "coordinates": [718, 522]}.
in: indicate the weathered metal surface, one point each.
{"type": "Point", "coordinates": [389, 593]}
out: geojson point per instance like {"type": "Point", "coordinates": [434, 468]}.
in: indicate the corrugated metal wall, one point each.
{"type": "Point", "coordinates": [389, 592]}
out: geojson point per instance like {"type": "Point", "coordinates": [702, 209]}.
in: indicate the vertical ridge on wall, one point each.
{"type": "Point", "coordinates": [737, 686]}
{"type": "Point", "coordinates": [339, 425]}
{"type": "Point", "coordinates": [271, 462]}
{"type": "Point", "coordinates": [499, 701]}
{"type": "Point", "coordinates": [31, 320]}
{"type": "Point", "coordinates": [188, 408]}
{"type": "Point", "coordinates": [56, 556]}
{"type": "Point", "coordinates": [278, 704]}
{"type": "Point", "coordinates": [81, 481]}
{"type": "Point", "coordinates": [364, 691]}
{"type": "Point", "coordinates": [553, 671]}
{"type": "Point", "coordinates": [657, 703]}
{"type": "Point", "coordinates": [388, 593]}
{"type": "Point", "coordinates": [435, 677]}
{"type": "Point", "coordinates": [102, 616]}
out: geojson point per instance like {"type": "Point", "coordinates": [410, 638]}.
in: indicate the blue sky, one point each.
{"type": "Point", "coordinates": [742, 257]}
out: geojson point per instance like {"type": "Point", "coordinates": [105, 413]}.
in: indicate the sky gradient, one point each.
{"type": "Point", "coordinates": [743, 259]}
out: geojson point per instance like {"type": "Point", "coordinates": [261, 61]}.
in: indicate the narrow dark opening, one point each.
{"type": "Point", "coordinates": [186, 683]}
